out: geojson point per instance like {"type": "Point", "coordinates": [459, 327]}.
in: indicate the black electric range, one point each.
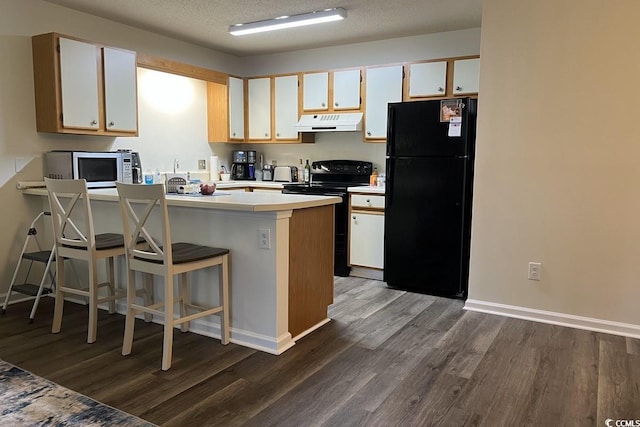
{"type": "Point", "coordinates": [333, 178]}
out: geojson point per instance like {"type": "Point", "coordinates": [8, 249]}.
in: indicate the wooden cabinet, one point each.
{"type": "Point", "coordinates": [366, 231]}
{"type": "Point", "coordinates": [315, 91]}
{"type": "Point", "coordinates": [382, 85]}
{"type": "Point", "coordinates": [466, 76]}
{"type": "Point", "coordinates": [427, 79]}
{"type": "Point", "coordinates": [331, 91]}
{"type": "Point", "coordinates": [272, 111]}
{"type": "Point", "coordinates": [225, 110]}
{"type": "Point", "coordinates": [286, 107]}
{"type": "Point", "coordinates": [236, 109]}
{"type": "Point", "coordinates": [346, 90]}
{"type": "Point", "coordinates": [120, 90]}
{"type": "Point", "coordinates": [259, 109]}
{"type": "Point", "coordinates": [84, 88]}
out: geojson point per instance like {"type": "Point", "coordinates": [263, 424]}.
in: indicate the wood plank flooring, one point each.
{"type": "Point", "coordinates": [388, 358]}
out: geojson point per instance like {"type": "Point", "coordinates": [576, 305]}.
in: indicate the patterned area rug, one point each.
{"type": "Point", "coordinates": [28, 400]}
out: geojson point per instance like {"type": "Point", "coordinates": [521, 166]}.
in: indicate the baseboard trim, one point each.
{"type": "Point", "coordinates": [366, 273]}
{"type": "Point", "coordinates": [554, 318]}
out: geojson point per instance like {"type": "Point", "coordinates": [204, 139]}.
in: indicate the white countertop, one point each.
{"type": "Point", "coordinates": [250, 184]}
{"type": "Point", "coordinates": [236, 201]}
{"type": "Point", "coordinates": [367, 190]}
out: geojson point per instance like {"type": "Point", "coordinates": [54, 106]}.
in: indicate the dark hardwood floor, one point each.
{"type": "Point", "coordinates": [388, 358]}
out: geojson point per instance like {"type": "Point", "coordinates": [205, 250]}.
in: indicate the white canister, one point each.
{"type": "Point", "coordinates": [214, 168]}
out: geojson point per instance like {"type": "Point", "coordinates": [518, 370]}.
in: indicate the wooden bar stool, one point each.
{"type": "Point", "coordinates": [75, 238]}
{"type": "Point", "coordinates": [164, 258]}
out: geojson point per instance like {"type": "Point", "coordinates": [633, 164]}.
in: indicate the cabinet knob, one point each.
{"type": "Point", "coordinates": [336, 104]}
{"type": "Point", "coordinates": [458, 88]}
{"type": "Point", "coordinates": [368, 201]}
{"type": "Point", "coordinates": [440, 89]}
{"type": "Point", "coordinates": [233, 134]}
{"type": "Point", "coordinates": [353, 217]}
{"type": "Point", "coordinates": [266, 134]}
{"type": "Point", "coordinates": [278, 134]}
{"type": "Point", "coordinates": [369, 133]}
{"type": "Point", "coordinates": [111, 123]}
{"type": "Point", "coordinates": [94, 122]}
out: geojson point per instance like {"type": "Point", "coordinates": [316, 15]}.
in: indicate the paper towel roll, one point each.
{"type": "Point", "coordinates": [214, 168]}
{"type": "Point", "coordinates": [23, 185]}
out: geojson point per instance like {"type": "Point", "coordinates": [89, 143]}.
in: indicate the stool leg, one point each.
{"type": "Point", "coordinates": [59, 305]}
{"type": "Point", "coordinates": [224, 300]}
{"type": "Point", "coordinates": [93, 302]}
{"type": "Point", "coordinates": [167, 344]}
{"type": "Point", "coordinates": [185, 288]}
{"type": "Point", "coordinates": [148, 294]}
{"type": "Point", "coordinates": [130, 316]}
{"type": "Point", "coordinates": [111, 274]}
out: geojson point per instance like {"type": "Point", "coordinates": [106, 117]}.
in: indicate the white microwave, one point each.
{"type": "Point", "coordinates": [101, 169]}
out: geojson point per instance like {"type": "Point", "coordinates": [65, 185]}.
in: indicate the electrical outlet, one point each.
{"type": "Point", "coordinates": [264, 238]}
{"type": "Point", "coordinates": [202, 164]}
{"type": "Point", "coordinates": [20, 163]}
{"type": "Point", "coordinates": [534, 271]}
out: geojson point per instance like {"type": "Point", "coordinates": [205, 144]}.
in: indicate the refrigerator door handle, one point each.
{"type": "Point", "coordinates": [390, 130]}
{"type": "Point", "coordinates": [389, 183]}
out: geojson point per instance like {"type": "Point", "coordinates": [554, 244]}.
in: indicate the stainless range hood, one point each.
{"type": "Point", "coordinates": [335, 122]}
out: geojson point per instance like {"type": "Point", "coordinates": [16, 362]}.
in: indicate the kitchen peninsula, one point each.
{"type": "Point", "coordinates": [281, 258]}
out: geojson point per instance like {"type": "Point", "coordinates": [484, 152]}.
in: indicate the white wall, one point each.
{"type": "Point", "coordinates": [557, 178]}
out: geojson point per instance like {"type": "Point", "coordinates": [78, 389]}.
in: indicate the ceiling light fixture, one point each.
{"type": "Point", "coordinates": [317, 17]}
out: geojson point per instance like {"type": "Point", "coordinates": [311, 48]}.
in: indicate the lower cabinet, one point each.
{"type": "Point", "coordinates": [366, 231]}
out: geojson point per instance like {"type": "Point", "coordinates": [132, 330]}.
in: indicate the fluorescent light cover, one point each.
{"type": "Point", "coordinates": [281, 22]}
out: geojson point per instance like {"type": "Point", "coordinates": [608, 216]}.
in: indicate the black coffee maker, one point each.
{"type": "Point", "coordinates": [243, 166]}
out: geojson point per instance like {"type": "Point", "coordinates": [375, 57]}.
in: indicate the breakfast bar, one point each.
{"type": "Point", "coordinates": [281, 258]}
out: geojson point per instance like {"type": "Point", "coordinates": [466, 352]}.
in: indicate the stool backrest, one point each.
{"type": "Point", "coordinates": [138, 204]}
{"type": "Point", "coordinates": [71, 213]}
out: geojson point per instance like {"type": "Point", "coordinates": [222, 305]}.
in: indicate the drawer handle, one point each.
{"type": "Point", "coordinates": [94, 122]}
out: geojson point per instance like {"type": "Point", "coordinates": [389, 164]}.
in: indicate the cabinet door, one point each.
{"type": "Point", "coordinates": [367, 240]}
{"type": "Point", "coordinates": [383, 85]}
{"type": "Point", "coordinates": [346, 90]}
{"type": "Point", "coordinates": [315, 91]}
{"type": "Point", "coordinates": [236, 108]}
{"type": "Point", "coordinates": [286, 107]}
{"type": "Point", "coordinates": [79, 84]}
{"type": "Point", "coordinates": [120, 90]}
{"type": "Point", "coordinates": [466, 76]}
{"type": "Point", "coordinates": [427, 79]}
{"type": "Point", "coordinates": [259, 91]}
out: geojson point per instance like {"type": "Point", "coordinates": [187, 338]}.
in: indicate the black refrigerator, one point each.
{"type": "Point", "coordinates": [429, 169]}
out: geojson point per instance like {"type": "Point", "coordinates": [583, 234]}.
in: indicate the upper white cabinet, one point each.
{"type": "Point", "coordinates": [382, 86]}
{"type": "Point", "coordinates": [466, 76]}
{"type": "Point", "coordinates": [286, 107]}
{"type": "Point", "coordinates": [84, 88]}
{"type": "Point", "coordinates": [346, 90]}
{"type": "Point", "coordinates": [315, 91]}
{"type": "Point", "coordinates": [259, 113]}
{"type": "Point", "coordinates": [427, 79]}
{"type": "Point", "coordinates": [120, 89]}
{"type": "Point", "coordinates": [331, 91]}
{"type": "Point", "coordinates": [236, 108]}
{"type": "Point", "coordinates": [79, 84]}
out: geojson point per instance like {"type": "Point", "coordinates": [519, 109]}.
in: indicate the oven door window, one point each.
{"type": "Point", "coordinates": [98, 169]}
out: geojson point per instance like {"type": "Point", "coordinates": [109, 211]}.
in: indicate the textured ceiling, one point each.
{"type": "Point", "coordinates": [205, 22]}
